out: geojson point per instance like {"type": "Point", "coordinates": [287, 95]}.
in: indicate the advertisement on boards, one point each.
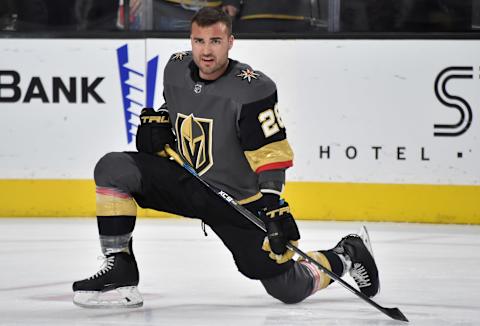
{"type": "Point", "coordinates": [400, 111]}
{"type": "Point", "coordinates": [65, 103]}
{"type": "Point", "coordinates": [372, 111]}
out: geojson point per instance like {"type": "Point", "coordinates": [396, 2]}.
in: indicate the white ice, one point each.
{"type": "Point", "coordinates": [430, 272]}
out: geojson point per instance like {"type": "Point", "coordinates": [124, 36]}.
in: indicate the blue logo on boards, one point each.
{"type": "Point", "coordinates": [138, 89]}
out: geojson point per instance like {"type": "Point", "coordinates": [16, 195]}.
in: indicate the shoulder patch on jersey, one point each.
{"type": "Point", "coordinates": [179, 56]}
{"type": "Point", "coordinates": [248, 74]}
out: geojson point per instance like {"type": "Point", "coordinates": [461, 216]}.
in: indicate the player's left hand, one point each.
{"type": "Point", "coordinates": [281, 229]}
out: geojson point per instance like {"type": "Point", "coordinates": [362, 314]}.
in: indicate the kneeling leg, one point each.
{"type": "Point", "coordinates": [304, 278]}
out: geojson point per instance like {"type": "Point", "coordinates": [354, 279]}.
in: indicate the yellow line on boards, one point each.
{"type": "Point", "coordinates": [309, 200]}
{"type": "Point", "coordinates": [53, 198]}
{"type": "Point", "coordinates": [385, 202]}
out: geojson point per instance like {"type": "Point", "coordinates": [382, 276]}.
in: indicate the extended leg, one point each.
{"type": "Point", "coordinates": [353, 254]}
{"type": "Point", "coordinates": [303, 279]}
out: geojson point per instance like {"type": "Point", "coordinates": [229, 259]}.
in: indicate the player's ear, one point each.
{"type": "Point", "coordinates": [230, 41]}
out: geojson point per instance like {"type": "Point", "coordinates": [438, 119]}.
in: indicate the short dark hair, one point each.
{"type": "Point", "coordinates": [208, 16]}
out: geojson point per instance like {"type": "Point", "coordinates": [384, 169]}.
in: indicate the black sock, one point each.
{"type": "Point", "coordinates": [335, 263]}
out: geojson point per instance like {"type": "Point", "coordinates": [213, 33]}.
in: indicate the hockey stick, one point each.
{"type": "Point", "coordinates": [393, 313]}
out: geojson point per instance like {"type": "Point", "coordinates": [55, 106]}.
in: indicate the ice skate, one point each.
{"type": "Point", "coordinates": [114, 285]}
{"type": "Point", "coordinates": [357, 252]}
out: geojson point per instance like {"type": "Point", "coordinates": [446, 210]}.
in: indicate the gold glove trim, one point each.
{"type": "Point", "coordinates": [160, 119]}
{"type": "Point", "coordinates": [278, 212]}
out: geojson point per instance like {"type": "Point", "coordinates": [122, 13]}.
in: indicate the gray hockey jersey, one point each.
{"type": "Point", "coordinates": [229, 129]}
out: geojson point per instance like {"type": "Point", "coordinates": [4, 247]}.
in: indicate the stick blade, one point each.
{"type": "Point", "coordinates": [395, 313]}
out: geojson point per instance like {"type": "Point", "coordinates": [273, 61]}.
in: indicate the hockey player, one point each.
{"type": "Point", "coordinates": [227, 126]}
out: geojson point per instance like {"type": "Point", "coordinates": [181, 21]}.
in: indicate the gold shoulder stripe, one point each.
{"type": "Point", "coordinates": [276, 152]}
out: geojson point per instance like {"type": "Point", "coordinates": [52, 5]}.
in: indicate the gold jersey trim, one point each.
{"type": "Point", "coordinates": [276, 152]}
{"type": "Point", "coordinates": [250, 199]}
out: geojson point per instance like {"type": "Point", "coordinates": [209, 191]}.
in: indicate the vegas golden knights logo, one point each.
{"type": "Point", "coordinates": [195, 141]}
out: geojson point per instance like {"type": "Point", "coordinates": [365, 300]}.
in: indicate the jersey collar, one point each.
{"type": "Point", "coordinates": [195, 72]}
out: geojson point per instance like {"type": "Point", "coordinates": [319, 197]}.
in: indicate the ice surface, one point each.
{"type": "Point", "coordinates": [430, 272]}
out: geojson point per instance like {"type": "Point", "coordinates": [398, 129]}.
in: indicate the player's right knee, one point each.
{"type": "Point", "coordinates": [118, 170]}
{"type": "Point", "coordinates": [285, 295]}
{"type": "Point", "coordinates": [293, 286]}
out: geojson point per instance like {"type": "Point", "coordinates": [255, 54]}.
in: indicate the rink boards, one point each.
{"type": "Point", "coordinates": [381, 129]}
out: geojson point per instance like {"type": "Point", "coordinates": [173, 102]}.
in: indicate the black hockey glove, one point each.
{"type": "Point", "coordinates": [155, 131]}
{"type": "Point", "coordinates": [281, 229]}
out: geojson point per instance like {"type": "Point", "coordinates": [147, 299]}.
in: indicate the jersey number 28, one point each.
{"type": "Point", "coordinates": [270, 120]}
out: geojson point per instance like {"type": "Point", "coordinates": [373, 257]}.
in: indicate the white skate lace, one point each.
{"type": "Point", "coordinates": [107, 265]}
{"type": "Point", "coordinates": [360, 275]}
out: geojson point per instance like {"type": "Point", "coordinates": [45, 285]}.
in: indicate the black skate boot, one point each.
{"type": "Point", "coordinates": [114, 285]}
{"type": "Point", "coordinates": [357, 252]}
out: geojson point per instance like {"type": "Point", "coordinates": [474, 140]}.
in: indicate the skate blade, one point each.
{"type": "Point", "coordinates": [363, 234]}
{"type": "Point", "coordinates": [123, 297]}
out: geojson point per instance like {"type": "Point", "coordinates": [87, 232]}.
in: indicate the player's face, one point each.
{"type": "Point", "coordinates": [210, 46]}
